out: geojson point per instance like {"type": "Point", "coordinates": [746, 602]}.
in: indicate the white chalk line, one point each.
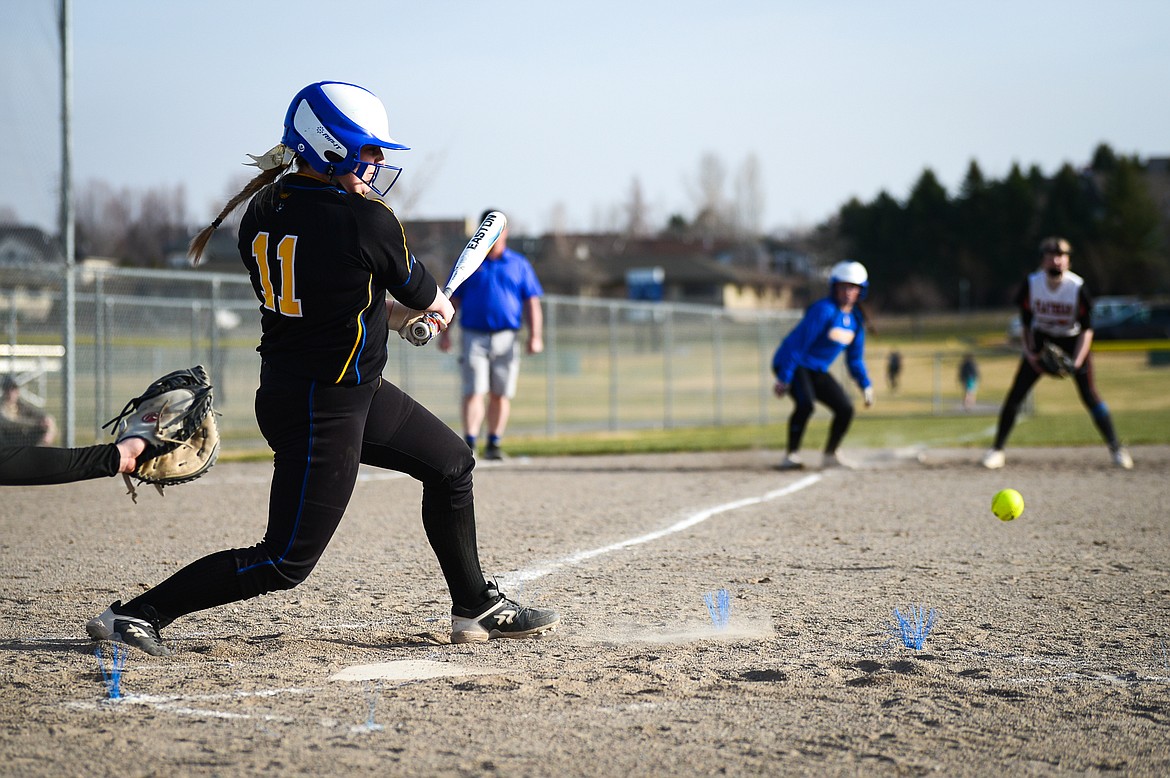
{"type": "Point", "coordinates": [171, 703]}
{"type": "Point", "coordinates": [532, 573]}
{"type": "Point", "coordinates": [176, 703]}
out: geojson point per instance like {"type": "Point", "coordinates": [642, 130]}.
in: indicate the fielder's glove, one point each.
{"type": "Point", "coordinates": [1056, 361]}
{"type": "Point", "coordinates": [176, 419]}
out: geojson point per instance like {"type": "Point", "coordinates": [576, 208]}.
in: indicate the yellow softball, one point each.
{"type": "Point", "coordinates": [1007, 504]}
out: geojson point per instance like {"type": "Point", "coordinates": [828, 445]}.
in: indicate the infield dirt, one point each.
{"type": "Point", "coordinates": [1048, 654]}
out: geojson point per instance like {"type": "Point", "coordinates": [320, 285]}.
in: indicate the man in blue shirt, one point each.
{"type": "Point", "coordinates": [492, 306]}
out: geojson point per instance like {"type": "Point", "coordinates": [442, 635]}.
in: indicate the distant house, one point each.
{"type": "Point", "coordinates": [27, 246]}
{"type": "Point", "coordinates": [739, 278]}
{"type": "Point", "coordinates": [437, 243]}
{"type": "Point", "coordinates": [30, 269]}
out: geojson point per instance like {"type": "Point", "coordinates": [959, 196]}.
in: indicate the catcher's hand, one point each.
{"type": "Point", "coordinates": [176, 419]}
{"type": "Point", "coordinates": [420, 329]}
{"type": "Point", "coordinates": [1056, 361]}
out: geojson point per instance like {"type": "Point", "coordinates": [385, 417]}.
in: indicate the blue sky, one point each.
{"type": "Point", "coordinates": [538, 108]}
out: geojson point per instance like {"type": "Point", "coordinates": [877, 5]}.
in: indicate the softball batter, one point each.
{"type": "Point", "coordinates": [323, 255]}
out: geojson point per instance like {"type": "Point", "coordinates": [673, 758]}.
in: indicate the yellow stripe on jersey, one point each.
{"type": "Point", "coordinates": [405, 249]}
{"type": "Point", "coordinates": [361, 330]}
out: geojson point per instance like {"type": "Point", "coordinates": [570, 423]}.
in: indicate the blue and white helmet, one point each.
{"type": "Point", "coordinates": [849, 272]}
{"type": "Point", "coordinates": [329, 122]}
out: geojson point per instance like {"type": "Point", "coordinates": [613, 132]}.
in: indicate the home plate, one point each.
{"type": "Point", "coordinates": [409, 670]}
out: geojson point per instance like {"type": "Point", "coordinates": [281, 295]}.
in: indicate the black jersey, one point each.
{"type": "Point", "coordinates": [321, 262]}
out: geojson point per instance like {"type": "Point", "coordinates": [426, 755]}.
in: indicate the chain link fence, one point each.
{"type": "Point", "coordinates": [607, 365]}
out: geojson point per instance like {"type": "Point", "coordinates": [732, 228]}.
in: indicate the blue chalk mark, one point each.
{"type": "Point", "coordinates": [371, 691]}
{"type": "Point", "coordinates": [117, 660]}
{"type": "Point", "coordinates": [913, 627]}
{"type": "Point", "coordinates": [719, 607]}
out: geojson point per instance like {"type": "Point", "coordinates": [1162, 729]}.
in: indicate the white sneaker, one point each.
{"type": "Point", "coordinates": [791, 462]}
{"type": "Point", "coordinates": [832, 460]}
{"type": "Point", "coordinates": [994, 459]}
{"type": "Point", "coordinates": [1122, 459]}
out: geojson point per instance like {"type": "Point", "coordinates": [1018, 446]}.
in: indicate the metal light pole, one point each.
{"type": "Point", "coordinates": [67, 226]}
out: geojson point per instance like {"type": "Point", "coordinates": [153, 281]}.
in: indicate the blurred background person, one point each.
{"type": "Point", "coordinates": [969, 380]}
{"type": "Point", "coordinates": [894, 369]}
{"type": "Point", "coordinates": [21, 422]}
{"type": "Point", "coordinates": [492, 306]}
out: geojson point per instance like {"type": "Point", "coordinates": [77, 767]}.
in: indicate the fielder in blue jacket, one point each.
{"type": "Point", "coordinates": [801, 363]}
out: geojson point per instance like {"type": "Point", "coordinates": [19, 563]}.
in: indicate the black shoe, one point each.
{"type": "Point", "coordinates": [500, 618]}
{"type": "Point", "coordinates": [142, 633]}
{"type": "Point", "coordinates": [492, 451]}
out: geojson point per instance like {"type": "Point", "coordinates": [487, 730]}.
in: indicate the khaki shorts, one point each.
{"type": "Point", "coordinates": [490, 361]}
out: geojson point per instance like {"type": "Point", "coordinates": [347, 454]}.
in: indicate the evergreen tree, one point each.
{"type": "Point", "coordinates": [1131, 255]}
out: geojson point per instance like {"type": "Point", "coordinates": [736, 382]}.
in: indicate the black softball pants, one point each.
{"type": "Point", "coordinates": [808, 387]}
{"type": "Point", "coordinates": [1026, 378]}
{"type": "Point", "coordinates": [319, 434]}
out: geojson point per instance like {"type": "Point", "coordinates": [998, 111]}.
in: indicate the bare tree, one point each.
{"type": "Point", "coordinates": [749, 199]}
{"type": "Point", "coordinates": [160, 226]}
{"type": "Point", "coordinates": [711, 214]}
{"type": "Point", "coordinates": [140, 229]}
{"type": "Point", "coordinates": [103, 219]}
{"type": "Point", "coordinates": [637, 212]}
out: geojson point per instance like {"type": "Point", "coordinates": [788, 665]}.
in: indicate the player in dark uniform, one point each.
{"type": "Point", "coordinates": [1055, 306]}
{"type": "Point", "coordinates": [40, 465]}
{"type": "Point", "coordinates": [322, 256]}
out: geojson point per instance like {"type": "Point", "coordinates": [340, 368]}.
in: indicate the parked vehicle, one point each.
{"type": "Point", "coordinates": [1150, 322]}
{"type": "Point", "coordinates": [1107, 312]}
{"type": "Point", "coordinates": [1110, 310]}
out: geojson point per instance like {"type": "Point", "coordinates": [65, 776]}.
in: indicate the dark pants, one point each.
{"type": "Point", "coordinates": [1026, 378]}
{"type": "Point", "coordinates": [319, 434]}
{"type": "Point", "coordinates": [809, 386]}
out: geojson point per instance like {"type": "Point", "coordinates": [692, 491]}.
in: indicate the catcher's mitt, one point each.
{"type": "Point", "coordinates": [1056, 361]}
{"type": "Point", "coordinates": [176, 419]}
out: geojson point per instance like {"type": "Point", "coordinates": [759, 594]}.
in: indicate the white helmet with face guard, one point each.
{"type": "Point", "coordinates": [328, 124]}
{"type": "Point", "coordinates": [849, 272]}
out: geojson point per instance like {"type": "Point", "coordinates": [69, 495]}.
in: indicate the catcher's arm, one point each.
{"type": "Point", "coordinates": [129, 449]}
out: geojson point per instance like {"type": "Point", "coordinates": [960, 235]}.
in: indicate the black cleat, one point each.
{"type": "Point", "coordinates": [142, 633]}
{"type": "Point", "coordinates": [500, 617]}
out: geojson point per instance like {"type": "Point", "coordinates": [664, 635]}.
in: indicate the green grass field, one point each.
{"type": "Point", "coordinates": [1135, 391]}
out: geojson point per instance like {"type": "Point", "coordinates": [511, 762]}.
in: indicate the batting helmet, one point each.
{"type": "Point", "coordinates": [329, 122]}
{"type": "Point", "coordinates": [849, 272]}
